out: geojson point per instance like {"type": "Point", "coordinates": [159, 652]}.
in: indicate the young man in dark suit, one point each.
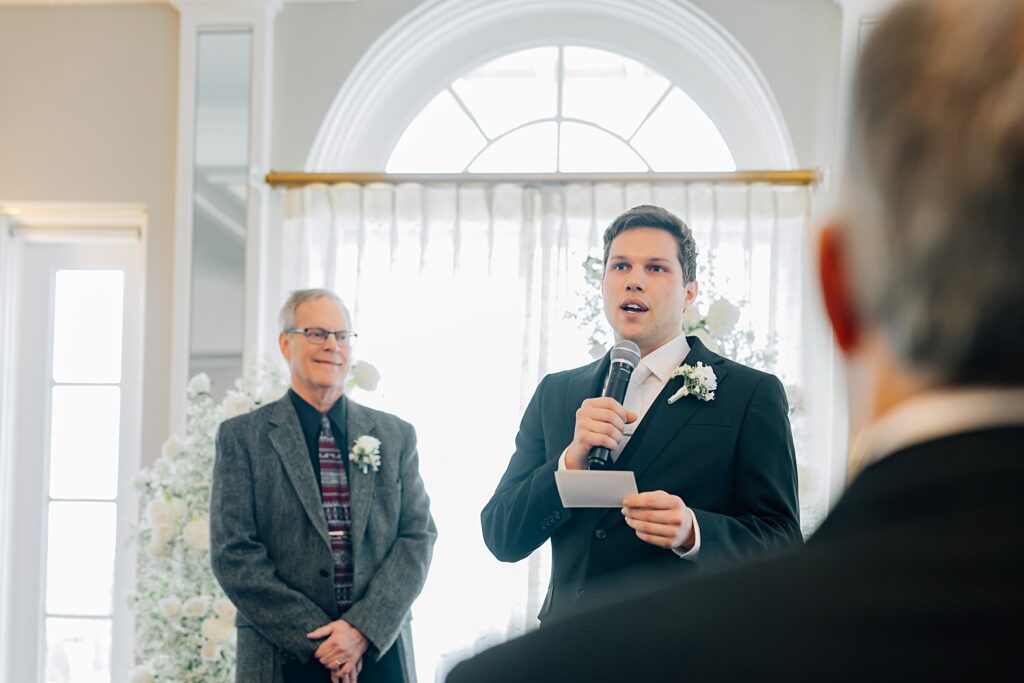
{"type": "Point", "coordinates": [916, 573]}
{"type": "Point", "coordinates": [717, 477]}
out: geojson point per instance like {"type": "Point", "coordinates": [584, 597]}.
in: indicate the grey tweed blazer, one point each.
{"type": "Point", "coordinates": [269, 545]}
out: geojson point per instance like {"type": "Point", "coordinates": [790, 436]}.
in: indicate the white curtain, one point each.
{"type": "Point", "coordinates": [459, 295]}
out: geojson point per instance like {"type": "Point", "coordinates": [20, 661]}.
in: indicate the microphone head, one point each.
{"type": "Point", "coordinates": [626, 351]}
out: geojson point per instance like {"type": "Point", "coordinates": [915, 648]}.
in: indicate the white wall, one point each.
{"type": "Point", "coordinates": [794, 42]}
{"type": "Point", "coordinates": [88, 107]}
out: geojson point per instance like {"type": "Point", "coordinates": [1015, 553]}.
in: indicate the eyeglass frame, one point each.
{"type": "Point", "coordinates": [342, 337]}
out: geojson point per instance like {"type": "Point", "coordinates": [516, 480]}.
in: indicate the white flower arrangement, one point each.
{"type": "Point", "coordinates": [177, 637]}
{"type": "Point", "coordinates": [365, 454]}
{"type": "Point", "coordinates": [698, 381]}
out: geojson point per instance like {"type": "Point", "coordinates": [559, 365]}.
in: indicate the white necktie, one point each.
{"type": "Point", "coordinates": [636, 400]}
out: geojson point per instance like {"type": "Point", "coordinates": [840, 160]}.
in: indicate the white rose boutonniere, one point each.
{"type": "Point", "coordinates": [365, 454]}
{"type": "Point", "coordinates": [699, 382]}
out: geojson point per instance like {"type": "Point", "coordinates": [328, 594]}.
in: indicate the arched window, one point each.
{"type": "Point", "coordinates": [435, 60]}
{"type": "Point", "coordinates": [561, 109]}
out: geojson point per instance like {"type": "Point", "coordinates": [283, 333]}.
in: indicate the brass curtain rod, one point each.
{"type": "Point", "coordinates": [300, 179]}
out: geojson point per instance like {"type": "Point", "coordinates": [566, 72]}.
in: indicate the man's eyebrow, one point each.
{"type": "Point", "coordinates": [653, 259]}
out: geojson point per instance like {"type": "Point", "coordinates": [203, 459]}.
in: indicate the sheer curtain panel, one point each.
{"type": "Point", "coordinates": [460, 294]}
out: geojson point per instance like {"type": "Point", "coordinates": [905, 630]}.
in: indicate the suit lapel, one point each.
{"type": "Point", "coordinates": [359, 423]}
{"type": "Point", "coordinates": [663, 421]}
{"type": "Point", "coordinates": [291, 448]}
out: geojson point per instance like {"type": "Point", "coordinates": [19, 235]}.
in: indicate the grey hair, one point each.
{"type": "Point", "coordinates": [934, 196]}
{"type": "Point", "coordinates": [301, 296]}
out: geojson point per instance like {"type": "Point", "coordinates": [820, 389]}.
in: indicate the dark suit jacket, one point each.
{"type": "Point", "coordinates": [269, 545]}
{"type": "Point", "coordinates": [731, 460]}
{"type": "Point", "coordinates": [917, 574]}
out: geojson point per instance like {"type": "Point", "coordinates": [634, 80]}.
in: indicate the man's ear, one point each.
{"type": "Point", "coordinates": [282, 341]}
{"type": "Point", "coordinates": [691, 292]}
{"type": "Point", "coordinates": [836, 290]}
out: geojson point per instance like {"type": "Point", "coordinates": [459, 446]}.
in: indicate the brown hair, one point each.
{"type": "Point", "coordinates": [646, 216]}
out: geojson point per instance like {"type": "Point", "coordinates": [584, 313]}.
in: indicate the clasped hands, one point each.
{"type": "Point", "coordinates": [341, 651]}
{"type": "Point", "coordinates": [657, 517]}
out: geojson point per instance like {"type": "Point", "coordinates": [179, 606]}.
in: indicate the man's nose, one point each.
{"type": "Point", "coordinates": [332, 341]}
{"type": "Point", "coordinates": [634, 283]}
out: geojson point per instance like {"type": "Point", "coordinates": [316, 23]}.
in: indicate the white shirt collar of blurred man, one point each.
{"type": "Point", "coordinates": [933, 415]}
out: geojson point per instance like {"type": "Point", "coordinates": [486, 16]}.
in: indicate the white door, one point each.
{"type": "Point", "coordinates": [77, 349]}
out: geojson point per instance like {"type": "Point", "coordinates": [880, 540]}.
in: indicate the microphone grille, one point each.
{"type": "Point", "coordinates": [626, 351]}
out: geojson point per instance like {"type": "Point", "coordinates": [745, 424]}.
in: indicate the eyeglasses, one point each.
{"type": "Point", "coordinates": [318, 335]}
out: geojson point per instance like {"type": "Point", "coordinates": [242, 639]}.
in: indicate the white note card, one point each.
{"type": "Point", "coordinates": [594, 488]}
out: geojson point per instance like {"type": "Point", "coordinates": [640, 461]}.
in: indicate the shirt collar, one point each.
{"type": "Point", "coordinates": [935, 414]}
{"type": "Point", "coordinates": [666, 358]}
{"type": "Point", "coordinates": [310, 417]}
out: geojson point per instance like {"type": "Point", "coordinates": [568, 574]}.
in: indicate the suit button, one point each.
{"type": "Point", "coordinates": [600, 534]}
{"type": "Point", "coordinates": [324, 573]}
{"type": "Point", "coordinates": [580, 593]}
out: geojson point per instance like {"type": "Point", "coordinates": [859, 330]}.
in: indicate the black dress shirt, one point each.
{"type": "Point", "coordinates": [310, 417]}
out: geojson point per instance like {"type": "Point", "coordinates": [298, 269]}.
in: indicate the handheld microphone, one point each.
{"type": "Point", "coordinates": [625, 357]}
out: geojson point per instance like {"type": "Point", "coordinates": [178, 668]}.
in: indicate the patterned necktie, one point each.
{"type": "Point", "coordinates": [335, 494]}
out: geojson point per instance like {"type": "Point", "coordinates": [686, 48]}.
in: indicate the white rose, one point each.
{"type": "Point", "coordinates": [223, 608]}
{"type": "Point", "coordinates": [270, 394]}
{"type": "Point", "coordinates": [172, 448]}
{"type": "Point", "coordinates": [597, 350]}
{"type": "Point", "coordinates": [140, 481]}
{"type": "Point", "coordinates": [197, 533]}
{"type": "Point", "coordinates": [157, 547]}
{"type": "Point", "coordinates": [707, 340]}
{"type": "Point", "coordinates": [367, 443]}
{"type": "Point", "coordinates": [722, 317]}
{"type": "Point", "coordinates": [170, 607]}
{"type": "Point", "coordinates": [141, 676]}
{"type": "Point", "coordinates": [159, 512]}
{"type": "Point", "coordinates": [196, 606]}
{"type": "Point", "coordinates": [691, 318]}
{"type": "Point", "coordinates": [218, 630]}
{"type": "Point", "coordinates": [178, 507]}
{"type": "Point", "coordinates": [164, 533]}
{"type": "Point", "coordinates": [706, 376]}
{"type": "Point", "coordinates": [235, 404]}
{"type": "Point", "coordinates": [210, 651]}
{"type": "Point", "coordinates": [200, 384]}
{"type": "Point", "coordinates": [365, 376]}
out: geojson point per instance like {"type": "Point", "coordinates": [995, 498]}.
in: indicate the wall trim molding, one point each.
{"type": "Point", "coordinates": [441, 39]}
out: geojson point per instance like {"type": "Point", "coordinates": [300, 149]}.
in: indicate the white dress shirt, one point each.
{"type": "Point", "coordinates": [646, 382]}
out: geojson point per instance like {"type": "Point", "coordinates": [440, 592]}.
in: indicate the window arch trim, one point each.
{"type": "Point", "coordinates": [442, 39]}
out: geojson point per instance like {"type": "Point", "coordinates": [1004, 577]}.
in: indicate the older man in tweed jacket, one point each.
{"type": "Point", "coordinates": [322, 548]}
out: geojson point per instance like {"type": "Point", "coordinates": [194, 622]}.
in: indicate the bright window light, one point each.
{"type": "Point", "coordinates": [561, 108]}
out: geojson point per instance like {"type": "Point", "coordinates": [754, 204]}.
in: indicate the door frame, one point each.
{"type": "Point", "coordinates": [67, 224]}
